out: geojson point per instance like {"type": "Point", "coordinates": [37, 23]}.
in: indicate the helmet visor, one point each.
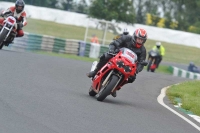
{"type": "Point", "coordinates": [20, 8]}
{"type": "Point", "coordinates": [139, 40]}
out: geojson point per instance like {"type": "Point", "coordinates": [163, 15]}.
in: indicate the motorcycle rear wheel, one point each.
{"type": "Point", "coordinates": [107, 90]}
{"type": "Point", "coordinates": [149, 64]}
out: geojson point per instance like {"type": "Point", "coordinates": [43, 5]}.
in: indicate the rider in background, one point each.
{"type": "Point", "coordinates": [134, 43]}
{"type": "Point", "coordinates": [18, 12]}
{"type": "Point", "coordinates": [193, 68]}
{"type": "Point", "coordinates": [125, 32]}
{"type": "Point", "coordinates": [161, 50]}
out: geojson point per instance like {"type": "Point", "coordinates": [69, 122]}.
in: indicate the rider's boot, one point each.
{"type": "Point", "coordinates": [92, 73]}
{"type": "Point", "coordinates": [100, 64]}
{"type": "Point", "coordinates": [98, 67]}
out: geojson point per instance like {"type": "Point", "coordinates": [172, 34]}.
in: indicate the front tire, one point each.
{"type": "Point", "coordinates": [107, 90]}
{"type": "Point", "coordinates": [2, 37]}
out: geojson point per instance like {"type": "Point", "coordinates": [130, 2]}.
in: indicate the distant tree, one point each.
{"type": "Point", "coordinates": [119, 10]}
{"type": "Point", "coordinates": [68, 5]}
{"type": "Point", "coordinates": [143, 7]}
{"type": "Point", "coordinates": [82, 7]}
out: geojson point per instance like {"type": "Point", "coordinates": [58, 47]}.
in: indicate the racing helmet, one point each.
{"type": "Point", "coordinates": [19, 6]}
{"type": "Point", "coordinates": [139, 37]}
{"type": "Point", "coordinates": [158, 44]}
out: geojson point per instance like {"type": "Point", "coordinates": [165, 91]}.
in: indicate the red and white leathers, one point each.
{"type": "Point", "coordinates": [21, 17]}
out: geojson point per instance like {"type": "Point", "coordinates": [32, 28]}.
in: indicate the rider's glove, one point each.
{"type": "Point", "coordinates": [113, 51]}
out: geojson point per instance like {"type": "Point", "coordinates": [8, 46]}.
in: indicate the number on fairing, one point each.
{"type": "Point", "coordinates": [130, 55]}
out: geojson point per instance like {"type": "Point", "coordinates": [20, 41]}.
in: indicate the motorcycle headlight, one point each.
{"type": "Point", "coordinates": [127, 69]}
{"type": "Point", "coordinates": [120, 64]}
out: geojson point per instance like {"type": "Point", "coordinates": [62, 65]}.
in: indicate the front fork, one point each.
{"type": "Point", "coordinates": [6, 28]}
{"type": "Point", "coordinates": [108, 77]}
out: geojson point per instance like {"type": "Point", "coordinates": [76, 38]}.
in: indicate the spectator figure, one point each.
{"type": "Point", "coordinates": [94, 39]}
{"type": "Point", "coordinates": [193, 68]}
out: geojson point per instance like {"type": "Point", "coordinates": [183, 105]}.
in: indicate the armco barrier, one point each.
{"type": "Point", "coordinates": [72, 46]}
{"type": "Point", "coordinates": [87, 49]}
{"type": "Point", "coordinates": [59, 45]}
{"type": "Point", "coordinates": [183, 73]}
{"type": "Point", "coordinates": [34, 42]}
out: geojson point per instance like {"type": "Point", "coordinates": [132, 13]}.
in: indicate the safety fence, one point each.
{"type": "Point", "coordinates": [183, 73]}
{"type": "Point", "coordinates": [34, 42]}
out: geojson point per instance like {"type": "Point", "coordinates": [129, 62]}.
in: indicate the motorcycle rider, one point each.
{"type": "Point", "coordinates": [193, 68]}
{"type": "Point", "coordinates": [134, 43]}
{"type": "Point", "coordinates": [161, 50]}
{"type": "Point", "coordinates": [18, 12]}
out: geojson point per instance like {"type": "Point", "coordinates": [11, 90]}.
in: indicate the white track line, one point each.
{"type": "Point", "coordinates": [160, 100]}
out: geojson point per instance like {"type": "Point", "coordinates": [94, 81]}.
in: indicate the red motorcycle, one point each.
{"type": "Point", "coordinates": [7, 30]}
{"type": "Point", "coordinates": [114, 74]}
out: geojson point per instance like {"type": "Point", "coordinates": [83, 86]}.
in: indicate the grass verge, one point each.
{"type": "Point", "coordinates": [161, 69]}
{"type": "Point", "coordinates": [174, 53]}
{"type": "Point", "coordinates": [189, 93]}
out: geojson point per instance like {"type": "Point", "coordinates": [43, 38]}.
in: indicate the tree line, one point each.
{"type": "Point", "coordinates": [174, 14]}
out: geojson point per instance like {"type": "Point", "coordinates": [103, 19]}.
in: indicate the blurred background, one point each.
{"type": "Point", "coordinates": [172, 22]}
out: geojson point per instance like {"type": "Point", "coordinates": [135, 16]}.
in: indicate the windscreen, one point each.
{"type": "Point", "coordinates": [130, 55]}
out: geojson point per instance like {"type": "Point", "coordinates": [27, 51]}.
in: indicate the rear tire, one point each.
{"type": "Point", "coordinates": [107, 90]}
{"type": "Point", "coordinates": [149, 65]}
{"type": "Point", "coordinates": [2, 37]}
{"type": "Point", "coordinates": [153, 70]}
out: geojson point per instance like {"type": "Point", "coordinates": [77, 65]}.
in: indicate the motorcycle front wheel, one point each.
{"type": "Point", "coordinates": [2, 37]}
{"type": "Point", "coordinates": [108, 88]}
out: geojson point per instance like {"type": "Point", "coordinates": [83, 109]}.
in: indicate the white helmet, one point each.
{"type": "Point", "coordinates": [158, 43]}
{"type": "Point", "coordinates": [125, 32]}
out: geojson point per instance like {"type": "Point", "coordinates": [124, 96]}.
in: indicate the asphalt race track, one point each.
{"type": "Point", "coordinates": [46, 94]}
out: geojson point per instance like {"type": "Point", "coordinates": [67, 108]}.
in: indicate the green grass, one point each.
{"type": "Point", "coordinates": [63, 31]}
{"type": "Point", "coordinates": [161, 69]}
{"type": "Point", "coordinates": [178, 53]}
{"type": "Point", "coordinates": [174, 53]}
{"type": "Point", "coordinates": [189, 92]}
